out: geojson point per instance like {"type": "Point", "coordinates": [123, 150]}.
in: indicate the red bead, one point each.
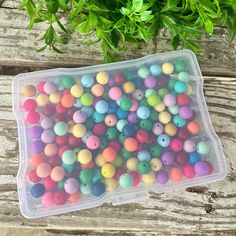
{"type": "Point", "coordinates": [118, 78]}
{"type": "Point", "coordinates": [48, 110]}
{"type": "Point", "coordinates": [60, 109]}
{"type": "Point", "coordinates": [62, 149]}
{"type": "Point", "coordinates": [99, 129]}
{"type": "Point", "coordinates": [62, 140]}
{"type": "Point", "coordinates": [73, 141]}
{"type": "Point", "coordinates": [59, 197]}
{"type": "Point", "coordinates": [136, 177]}
{"type": "Point", "coordinates": [183, 134]}
{"type": "Point", "coordinates": [30, 104]}
{"type": "Point", "coordinates": [54, 161]}
{"type": "Point", "coordinates": [33, 177]}
{"type": "Point", "coordinates": [183, 99]}
{"type": "Point", "coordinates": [49, 184]}
{"type": "Point", "coordinates": [182, 158]}
{"type": "Point", "coordinates": [33, 117]}
{"type": "Point", "coordinates": [114, 144]}
{"type": "Point", "coordinates": [41, 86]}
{"type": "Point", "coordinates": [142, 136]}
{"type": "Point", "coordinates": [119, 172]}
{"type": "Point", "coordinates": [176, 145]}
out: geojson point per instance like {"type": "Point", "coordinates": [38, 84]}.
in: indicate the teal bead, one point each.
{"type": "Point", "coordinates": [162, 92]}
{"type": "Point", "coordinates": [143, 72]}
{"type": "Point", "coordinates": [128, 75]}
{"type": "Point", "coordinates": [103, 142]}
{"type": "Point", "coordinates": [86, 176]}
{"type": "Point", "coordinates": [153, 116]}
{"type": "Point", "coordinates": [180, 66]}
{"type": "Point", "coordinates": [106, 96]}
{"type": "Point", "coordinates": [98, 117]}
{"type": "Point", "coordinates": [124, 153]}
{"type": "Point", "coordinates": [60, 128]}
{"type": "Point", "coordinates": [203, 148]}
{"type": "Point", "coordinates": [146, 124]}
{"type": "Point", "coordinates": [155, 150]}
{"type": "Point", "coordinates": [60, 184]}
{"type": "Point", "coordinates": [143, 167]}
{"type": "Point", "coordinates": [121, 138]}
{"type": "Point", "coordinates": [69, 168]}
{"type": "Point", "coordinates": [178, 121]}
{"type": "Point", "coordinates": [118, 162]}
{"type": "Point", "coordinates": [180, 87]}
{"type": "Point", "coordinates": [111, 133]}
{"type": "Point", "coordinates": [126, 180]}
{"type": "Point", "coordinates": [86, 188]}
{"type": "Point", "coordinates": [120, 124]}
{"type": "Point", "coordinates": [68, 81]}
{"type": "Point", "coordinates": [89, 123]}
{"type": "Point", "coordinates": [183, 76]}
{"type": "Point", "coordinates": [171, 83]}
{"type": "Point", "coordinates": [97, 175]}
{"type": "Point", "coordinates": [68, 157]}
{"type": "Point", "coordinates": [143, 102]}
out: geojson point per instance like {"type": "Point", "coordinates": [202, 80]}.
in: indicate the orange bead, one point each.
{"type": "Point", "coordinates": [67, 101]}
{"type": "Point", "coordinates": [130, 144]}
{"type": "Point", "coordinates": [36, 160]}
{"type": "Point", "coordinates": [193, 127]}
{"type": "Point", "coordinates": [109, 154]}
{"type": "Point", "coordinates": [89, 165]}
{"type": "Point", "coordinates": [175, 174]}
{"type": "Point", "coordinates": [50, 149]}
{"type": "Point", "coordinates": [97, 90]}
{"type": "Point", "coordinates": [74, 197]}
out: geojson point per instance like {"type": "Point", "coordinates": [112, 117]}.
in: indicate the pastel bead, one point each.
{"type": "Point", "coordinates": [86, 99]}
{"type": "Point", "coordinates": [163, 140]}
{"type": "Point", "coordinates": [180, 87]}
{"type": "Point", "coordinates": [193, 127]}
{"type": "Point", "coordinates": [86, 188]}
{"type": "Point", "coordinates": [28, 90]}
{"type": "Point", "coordinates": [189, 146]}
{"type": "Point", "coordinates": [97, 90]}
{"type": "Point", "coordinates": [175, 174]}
{"type": "Point", "coordinates": [155, 69]}
{"type": "Point", "coordinates": [176, 145]}
{"type": "Point", "coordinates": [174, 110]}
{"type": "Point", "coordinates": [160, 107]}
{"type": "Point", "coordinates": [50, 149]}
{"type": "Point", "coordinates": [71, 185]}
{"type": "Point", "coordinates": [162, 177]}
{"type": "Point", "coordinates": [143, 72]}
{"type": "Point", "coordinates": [37, 146]}
{"type": "Point", "coordinates": [68, 81]}
{"type": "Point", "coordinates": [47, 199]}
{"type": "Point", "coordinates": [170, 129]}
{"type": "Point", "coordinates": [57, 173]}
{"type": "Point", "coordinates": [102, 78]}
{"type": "Point", "coordinates": [43, 170]}
{"type": "Point", "coordinates": [33, 117]}
{"type": "Point", "coordinates": [68, 157]}
{"type": "Point", "coordinates": [185, 112]}
{"type": "Point", "coordinates": [180, 65]}
{"type": "Point", "coordinates": [30, 105]}
{"type": "Point", "coordinates": [92, 142]}
{"type": "Point", "coordinates": [50, 87]}
{"type": "Point", "coordinates": [47, 136]}
{"type": "Point", "coordinates": [194, 157]}
{"type": "Point", "coordinates": [130, 144]}
{"type": "Point", "coordinates": [167, 158]}
{"type": "Point", "coordinates": [128, 87]}
{"type": "Point", "coordinates": [138, 94]}
{"type": "Point", "coordinates": [79, 130]}
{"type": "Point", "coordinates": [42, 100]}
{"type": "Point", "coordinates": [169, 100]}
{"type": "Point", "coordinates": [115, 93]}
{"type": "Point", "coordinates": [86, 176]}
{"type": "Point", "coordinates": [202, 148]}
{"type": "Point", "coordinates": [108, 170]}
{"type": "Point", "coordinates": [188, 171]}
{"type": "Point", "coordinates": [132, 163]}
{"type": "Point", "coordinates": [60, 128]}
{"type": "Point", "coordinates": [149, 178]}
{"type": "Point", "coordinates": [143, 155]}
{"type": "Point", "coordinates": [110, 184]}
{"type": "Point", "coordinates": [156, 164]}
{"type": "Point", "coordinates": [144, 167]}
{"type": "Point", "coordinates": [87, 81]}
{"type": "Point", "coordinates": [143, 112]}
{"type": "Point", "coordinates": [167, 68]}
{"type": "Point", "coordinates": [84, 156]}
{"type": "Point", "coordinates": [164, 117]}
{"type": "Point", "coordinates": [153, 99]}
{"type": "Point", "coordinates": [178, 121]}
{"type": "Point", "coordinates": [59, 197]}
{"type": "Point", "coordinates": [126, 180]}
{"type": "Point", "coordinates": [150, 82]}
{"type": "Point", "coordinates": [79, 116]}
{"type": "Point", "coordinates": [201, 168]}
{"type": "Point", "coordinates": [109, 154]}
{"type": "Point", "coordinates": [101, 107]}
{"type": "Point", "coordinates": [183, 76]}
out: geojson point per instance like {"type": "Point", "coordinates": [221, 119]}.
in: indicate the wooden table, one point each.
{"type": "Point", "coordinates": [203, 210]}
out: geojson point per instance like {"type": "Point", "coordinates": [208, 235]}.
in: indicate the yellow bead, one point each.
{"type": "Point", "coordinates": [110, 184]}
{"type": "Point", "coordinates": [149, 178]}
{"type": "Point", "coordinates": [160, 107]}
{"type": "Point", "coordinates": [42, 100]}
{"type": "Point", "coordinates": [189, 90]}
{"type": "Point", "coordinates": [102, 78]}
{"type": "Point", "coordinates": [132, 163]}
{"type": "Point", "coordinates": [28, 90]}
{"type": "Point", "coordinates": [99, 160]}
{"type": "Point", "coordinates": [84, 156]}
{"type": "Point", "coordinates": [108, 170]}
{"type": "Point", "coordinates": [76, 90]}
{"type": "Point", "coordinates": [164, 117]}
{"type": "Point", "coordinates": [170, 129]}
{"type": "Point", "coordinates": [156, 164]}
{"type": "Point", "coordinates": [128, 87]}
{"type": "Point", "coordinates": [79, 130]}
{"type": "Point", "coordinates": [167, 68]}
{"type": "Point", "coordinates": [55, 98]}
{"type": "Point", "coordinates": [71, 125]}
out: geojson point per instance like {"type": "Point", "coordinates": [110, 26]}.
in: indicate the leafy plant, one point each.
{"type": "Point", "coordinates": [116, 21]}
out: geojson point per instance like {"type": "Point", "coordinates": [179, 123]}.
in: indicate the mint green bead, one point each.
{"type": "Point", "coordinates": [118, 162]}
{"type": "Point", "coordinates": [60, 128]}
{"type": "Point", "coordinates": [86, 99]}
{"type": "Point", "coordinates": [121, 138]}
{"type": "Point", "coordinates": [60, 184]}
{"type": "Point", "coordinates": [143, 102]}
{"type": "Point", "coordinates": [125, 103]}
{"type": "Point", "coordinates": [174, 110]}
{"type": "Point", "coordinates": [171, 83]}
{"type": "Point", "coordinates": [68, 157]}
{"type": "Point", "coordinates": [153, 116]}
{"type": "Point", "coordinates": [68, 81]}
{"type": "Point", "coordinates": [180, 66]}
{"type": "Point", "coordinates": [126, 180]}
{"type": "Point", "coordinates": [155, 150]}
{"type": "Point", "coordinates": [68, 168]}
{"type": "Point", "coordinates": [97, 175]}
{"type": "Point", "coordinates": [86, 188]}
{"type": "Point", "coordinates": [124, 153]}
{"type": "Point", "coordinates": [112, 133]}
{"type": "Point", "coordinates": [162, 92]}
{"type": "Point", "coordinates": [89, 123]}
{"type": "Point", "coordinates": [183, 76]}
{"type": "Point", "coordinates": [148, 92]}
{"type": "Point", "coordinates": [143, 72]}
{"type": "Point", "coordinates": [180, 87]}
{"type": "Point", "coordinates": [86, 176]}
{"type": "Point", "coordinates": [103, 142]}
{"type": "Point", "coordinates": [202, 148]}
{"type": "Point", "coordinates": [59, 84]}
{"type": "Point", "coordinates": [146, 124]}
{"type": "Point", "coordinates": [143, 167]}
{"type": "Point", "coordinates": [120, 124]}
{"type": "Point", "coordinates": [98, 117]}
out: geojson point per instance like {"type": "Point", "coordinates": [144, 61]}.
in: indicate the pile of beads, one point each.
{"type": "Point", "coordinates": [93, 134]}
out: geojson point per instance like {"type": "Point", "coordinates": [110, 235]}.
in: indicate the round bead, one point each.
{"type": "Point", "coordinates": [71, 185]}
{"type": "Point", "coordinates": [115, 93]}
{"type": "Point", "coordinates": [47, 136]}
{"type": "Point", "coordinates": [132, 163]}
{"type": "Point", "coordinates": [108, 170]}
{"type": "Point", "coordinates": [102, 78]}
{"type": "Point", "coordinates": [37, 190]}
{"type": "Point", "coordinates": [178, 121]}
{"type": "Point", "coordinates": [180, 65]}
{"type": "Point", "coordinates": [188, 171]}
{"type": "Point", "coordinates": [130, 144]}
{"type": "Point", "coordinates": [30, 105]}
{"type": "Point", "coordinates": [189, 146]}
{"type": "Point", "coordinates": [74, 197]}
{"type": "Point", "coordinates": [79, 130]}
{"type": "Point", "coordinates": [98, 189]}
{"type": "Point", "coordinates": [169, 100]}
{"type": "Point", "coordinates": [176, 145]}
{"type": "Point", "coordinates": [68, 81]}
{"type": "Point", "coordinates": [43, 170]}
{"type": "Point", "coordinates": [109, 154]}
{"type": "Point", "coordinates": [128, 87]}
{"type": "Point", "coordinates": [175, 174]}
{"type": "Point", "coordinates": [59, 197]}
{"type": "Point", "coordinates": [126, 180]}
{"type": "Point", "coordinates": [143, 72]}
{"type": "Point", "coordinates": [143, 112]}
{"type": "Point", "coordinates": [60, 128]}
{"type": "Point", "coordinates": [202, 148]}
{"type": "Point", "coordinates": [87, 81]}
{"type": "Point", "coordinates": [79, 116]}
{"type": "Point", "coordinates": [86, 99]}
{"type": "Point", "coordinates": [101, 107]}
{"type": "Point", "coordinates": [180, 87]}
{"type": "Point", "coordinates": [86, 176]}
{"type": "Point", "coordinates": [183, 99]}
{"type": "Point", "coordinates": [125, 103]}
{"type": "Point", "coordinates": [49, 184]}
{"type": "Point", "coordinates": [68, 157]}
{"type": "Point", "coordinates": [97, 90]}
{"type": "Point", "coordinates": [36, 160]}
{"type": "Point", "coordinates": [163, 140]}
{"type": "Point", "coordinates": [167, 158]}
{"type": "Point", "coordinates": [144, 167]}
{"type": "Point", "coordinates": [150, 82]}
{"type": "Point", "coordinates": [144, 155]}
{"type": "Point", "coordinates": [164, 117]}
{"type": "Point", "coordinates": [138, 94]}
{"type": "Point", "coordinates": [50, 87]}
{"type": "Point", "coordinates": [153, 99]}
{"type": "Point", "coordinates": [110, 184]}
{"type": "Point", "coordinates": [170, 129]}
{"type": "Point", "coordinates": [28, 90]}
{"type": "Point", "coordinates": [57, 173]}
{"type": "Point", "coordinates": [156, 164]}
{"type": "Point", "coordinates": [185, 112]}
{"type": "Point", "coordinates": [33, 117]}
{"type": "Point", "coordinates": [155, 69]}
{"type": "Point", "coordinates": [37, 146]}
{"type": "Point", "coordinates": [35, 132]}
{"type": "Point", "coordinates": [193, 127]}
{"type": "Point", "coordinates": [167, 68]}
{"type": "Point", "coordinates": [42, 100]}
{"type": "Point", "coordinates": [149, 178]}
{"type": "Point", "coordinates": [47, 199]}
{"type": "Point", "coordinates": [84, 156]}
{"type": "Point", "coordinates": [92, 142]}
{"type": "Point", "coordinates": [174, 110]}
{"type": "Point", "coordinates": [162, 177]}
{"type": "Point", "coordinates": [157, 128]}
{"type": "Point", "coordinates": [183, 76]}
{"type": "Point", "coordinates": [129, 130]}
{"type": "Point", "coordinates": [50, 149]}
{"type": "Point", "coordinates": [76, 90]}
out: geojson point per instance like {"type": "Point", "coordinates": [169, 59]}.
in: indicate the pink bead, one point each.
{"type": "Point", "coordinates": [210, 166]}
{"type": "Point", "coordinates": [99, 129]}
{"type": "Point", "coordinates": [47, 199]}
{"type": "Point", "coordinates": [189, 146]}
{"type": "Point", "coordinates": [182, 158]}
{"type": "Point", "coordinates": [115, 93]}
{"type": "Point", "coordinates": [185, 112]}
{"type": "Point", "coordinates": [188, 171]}
{"type": "Point", "coordinates": [134, 106]}
{"type": "Point", "coordinates": [169, 100]}
{"type": "Point", "coordinates": [66, 92]}
{"type": "Point", "coordinates": [136, 177]}
{"type": "Point", "coordinates": [33, 117]}
{"type": "Point", "coordinates": [150, 82]}
{"type": "Point", "coordinates": [48, 110]}
{"type": "Point", "coordinates": [119, 172]}
{"type": "Point", "coordinates": [59, 197]}
{"type": "Point", "coordinates": [115, 144]}
{"type": "Point", "coordinates": [41, 86]}
{"type": "Point", "coordinates": [49, 184]}
{"type": "Point", "coordinates": [50, 87]}
{"type": "Point", "coordinates": [176, 145]}
{"type": "Point", "coordinates": [183, 134]}
{"type": "Point", "coordinates": [92, 142]}
{"type": "Point", "coordinates": [152, 139]}
{"type": "Point", "coordinates": [157, 128]}
{"type": "Point", "coordinates": [62, 149]}
{"type": "Point", "coordinates": [33, 177]}
{"type": "Point", "coordinates": [30, 105]}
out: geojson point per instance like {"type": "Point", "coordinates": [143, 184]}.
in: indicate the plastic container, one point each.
{"type": "Point", "coordinates": [88, 189]}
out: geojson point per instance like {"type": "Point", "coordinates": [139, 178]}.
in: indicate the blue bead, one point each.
{"type": "Point", "coordinates": [178, 121]}
{"type": "Point", "coordinates": [101, 107]}
{"type": "Point", "coordinates": [77, 103]}
{"type": "Point", "coordinates": [144, 155]}
{"type": "Point", "coordinates": [138, 82]}
{"type": "Point", "coordinates": [155, 70]}
{"type": "Point", "coordinates": [129, 130]}
{"type": "Point", "coordinates": [180, 87]}
{"type": "Point", "coordinates": [87, 110]}
{"type": "Point", "coordinates": [121, 114]}
{"type": "Point", "coordinates": [194, 157]}
{"type": "Point", "coordinates": [98, 189]}
{"type": "Point", "coordinates": [37, 190]}
{"type": "Point", "coordinates": [143, 112]}
{"type": "Point", "coordinates": [87, 80]}
{"type": "Point", "coordinates": [112, 106]}
{"type": "Point", "coordinates": [163, 140]}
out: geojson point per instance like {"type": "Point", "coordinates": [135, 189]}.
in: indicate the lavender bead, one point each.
{"type": "Point", "coordinates": [201, 168]}
{"type": "Point", "coordinates": [185, 112]}
{"type": "Point", "coordinates": [37, 146]}
{"type": "Point", "coordinates": [150, 82]}
{"type": "Point", "coordinates": [47, 123]}
{"type": "Point", "coordinates": [132, 117]}
{"type": "Point", "coordinates": [48, 136]}
{"type": "Point", "coordinates": [162, 177]}
{"type": "Point", "coordinates": [35, 132]}
{"type": "Point", "coordinates": [169, 100]}
{"type": "Point", "coordinates": [50, 87]}
{"type": "Point", "coordinates": [71, 185]}
{"type": "Point", "coordinates": [167, 158]}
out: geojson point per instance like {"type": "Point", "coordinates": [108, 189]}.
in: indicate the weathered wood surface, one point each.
{"type": "Point", "coordinates": [200, 210]}
{"type": "Point", "coordinates": [18, 47]}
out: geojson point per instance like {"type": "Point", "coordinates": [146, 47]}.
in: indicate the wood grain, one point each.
{"type": "Point", "coordinates": [18, 47]}
{"type": "Point", "coordinates": [199, 210]}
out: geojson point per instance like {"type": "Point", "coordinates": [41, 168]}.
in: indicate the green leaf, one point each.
{"type": "Point", "coordinates": [60, 24]}
{"type": "Point", "coordinates": [52, 6]}
{"type": "Point", "coordinates": [175, 41]}
{"type": "Point", "coordinates": [56, 49]}
{"type": "Point", "coordinates": [88, 24]}
{"type": "Point", "coordinates": [209, 27]}
{"type": "Point", "coordinates": [63, 5]}
{"type": "Point", "coordinates": [49, 35]}
{"type": "Point", "coordinates": [154, 27]}
{"type": "Point", "coordinates": [146, 15]}
{"type": "Point", "coordinates": [125, 11]}
{"type": "Point", "coordinates": [136, 5]}
{"type": "Point", "coordinates": [42, 49]}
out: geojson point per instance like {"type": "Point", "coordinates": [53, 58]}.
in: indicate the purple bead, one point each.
{"type": "Point", "coordinates": [150, 82]}
{"type": "Point", "coordinates": [169, 100]}
{"type": "Point", "coordinates": [111, 82]}
{"type": "Point", "coordinates": [132, 117]}
{"type": "Point", "coordinates": [71, 185]}
{"type": "Point", "coordinates": [47, 123]}
{"type": "Point", "coordinates": [48, 136]}
{"type": "Point", "coordinates": [201, 168]}
{"type": "Point", "coordinates": [162, 177]}
{"type": "Point", "coordinates": [37, 146]}
{"type": "Point", "coordinates": [35, 132]}
{"type": "Point", "coordinates": [50, 87]}
{"type": "Point", "coordinates": [167, 158]}
{"type": "Point", "coordinates": [185, 112]}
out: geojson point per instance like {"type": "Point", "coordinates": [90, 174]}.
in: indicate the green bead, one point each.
{"type": "Point", "coordinates": [180, 66]}
{"type": "Point", "coordinates": [68, 81]}
{"type": "Point", "coordinates": [148, 92]}
{"type": "Point", "coordinates": [146, 124]}
{"type": "Point", "coordinates": [98, 117]}
{"type": "Point", "coordinates": [121, 138]}
{"type": "Point", "coordinates": [120, 124]}
{"type": "Point", "coordinates": [97, 175]}
{"type": "Point", "coordinates": [203, 148]}
{"type": "Point", "coordinates": [60, 184]}
{"type": "Point", "coordinates": [155, 150]}
{"type": "Point", "coordinates": [86, 99]}
{"type": "Point", "coordinates": [143, 102]}
{"type": "Point", "coordinates": [76, 150]}
{"type": "Point", "coordinates": [60, 128]}
{"type": "Point", "coordinates": [68, 168]}
{"type": "Point", "coordinates": [103, 143]}
{"type": "Point", "coordinates": [128, 75]}
{"type": "Point", "coordinates": [125, 103]}
{"type": "Point", "coordinates": [112, 133]}
{"type": "Point", "coordinates": [144, 167]}
{"type": "Point", "coordinates": [171, 83]}
{"type": "Point", "coordinates": [143, 72]}
{"type": "Point", "coordinates": [126, 180]}
{"type": "Point", "coordinates": [180, 87]}
{"type": "Point", "coordinates": [183, 76]}
{"type": "Point", "coordinates": [86, 176]}
{"type": "Point", "coordinates": [153, 116]}
{"type": "Point", "coordinates": [174, 110]}
{"type": "Point", "coordinates": [162, 92]}
{"type": "Point", "coordinates": [118, 162]}
{"type": "Point", "coordinates": [124, 153]}
{"type": "Point", "coordinates": [68, 157]}
{"type": "Point", "coordinates": [153, 99]}
{"type": "Point", "coordinates": [86, 188]}
{"type": "Point", "coordinates": [89, 124]}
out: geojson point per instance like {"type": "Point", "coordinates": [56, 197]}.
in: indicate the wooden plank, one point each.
{"type": "Point", "coordinates": [18, 48]}
{"type": "Point", "coordinates": [199, 210]}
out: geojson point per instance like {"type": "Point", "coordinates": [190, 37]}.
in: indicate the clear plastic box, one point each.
{"type": "Point", "coordinates": [32, 207]}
